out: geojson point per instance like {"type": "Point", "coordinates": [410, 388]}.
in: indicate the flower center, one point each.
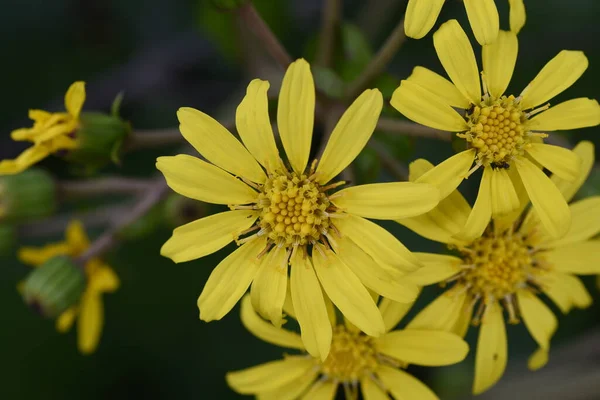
{"type": "Point", "coordinates": [498, 130]}
{"type": "Point", "coordinates": [352, 355]}
{"type": "Point", "coordinates": [497, 265]}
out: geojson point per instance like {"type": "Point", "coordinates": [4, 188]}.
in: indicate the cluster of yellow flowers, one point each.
{"type": "Point", "coordinates": [308, 250]}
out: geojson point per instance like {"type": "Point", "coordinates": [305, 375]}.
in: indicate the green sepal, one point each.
{"type": "Point", "coordinates": [54, 286]}
{"type": "Point", "coordinates": [28, 195]}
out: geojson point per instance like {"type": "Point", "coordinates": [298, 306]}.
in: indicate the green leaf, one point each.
{"type": "Point", "coordinates": [328, 81]}
{"type": "Point", "coordinates": [357, 49]}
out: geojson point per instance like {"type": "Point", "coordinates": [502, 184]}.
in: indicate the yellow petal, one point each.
{"type": "Point", "coordinates": [517, 15]}
{"type": "Point", "coordinates": [442, 313]}
{"type": "Point", "coordinates": [54, 132]}
{"type": "Point", "coordinates": [421, 16]}
{"type": "Point", "coordinates": [90, 322]}
{"type": "Point", "coordinates": [484, 20]}
{"type": "Point", "coordinates": [464, 319]}
{"type": "Point", "coordinates": [207, 235]}
{"type": "Point", "coordinates": [490, 360]}
{"type": "Point", "coordinates": [560, 161]}
{"type": "Point", "coordinates": [74, 98]}
{"type": "Point", "coordinates": [347, 292]}
{"type": "Point", "coordinates": [402, 385]}
{"type": "Point", "coordinates": [292, 390]}
{"type": "Point", "coordinates": [392, 312]}
{"type": "Point", "coordinates": [229, 281]}
{"type": "Point", "coordinates": [36, 256]}
{"type": "Point", "coordinates": [371, 390]}
{"type": "Point", "coordinates": [571, 114]}
{"type": "Point", "coordinates": [580, 296]}
{"type": "Point", "coordinates": [538, 359]}
{"type": "Point", "coordinates": [538, 318]}
{"type": "Point", "coordinates": [439, 86]}
{"type": "Point", "coordinates": [482, 210]}
{"type": "Point", "coordinates": [270, 285]}
{"type": "Point", "coordinates": [350, 135]}
{"type": "Point", "coordinates": [388, 200]}
{"type": "Point", "coordinates": [566, 291]}
{"type": "Point", "coordinates": [504, 195]}
{"type": "Point", "coordinates": [556, 76]}
{"type": "Point", "coordinates": [321, 390]}
{"type": "Point", "coordinates": [103, 279]}
{"type": "Point", "coordinates": [382, 280]}
{"type": "Point", "coordinates": [420, 105]}
{"type": "Point", "coordinates": [585, 151]}
{"type": "Point", "coordinates": [549, 204]}
{"type": "Point", "coordinates": [581, 258]}
{"type": "Point", "coordinates": [217, 145]}
{"type": "Point", "coordinates": [447, 175]}
{"type": "Point", "coordinates": [25, 160]}
{"type": "Point", "coordinates": [266, 331]}
{"type": "Point", "coordinates": [585, 215]}
{"type": "Point", "coordinates": [269, 376]}
{"type": "Point", "coordinates": [254, 125]}
{"type": "Point", "coordinates": [423, 347]}
{"type": "Point", "coordinates": [296, 113]}
{"type": "Point", "coordinates": [65, 320]}
{"type": "Point", "coordinates": [76, 236]}
{"type": "Point", "coordinates": [436, 268]}
{"type": "Point", "coordinates": [377, 242]}
{"type": "Point", "coordinates": [196, 179]}
{"type": "Point", "coordinates": [499, 61]}
{"type": "Point", "coordinates": [310, 308]}
{"type": "Point", "coordinates": [456, 55]}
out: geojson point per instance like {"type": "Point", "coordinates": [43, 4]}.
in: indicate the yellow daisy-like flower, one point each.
{"type": "Point", "coordinates": [288, 216]}
{"type": "Point", "coordinates": [483, 17]}
{"type": "Point", "coordinates": [100, 279]}
{"type": "Point", "coordinates": [376, 364]}
{"type": "Point", "coordinates": [51, 132]}
{"type": "Point", "coordinates": [506, 268]}
{"type": "Point", "coordinates": [503, 132]}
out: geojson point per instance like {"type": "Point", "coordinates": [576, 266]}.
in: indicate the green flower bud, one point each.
{"type": "Point", "coordinates": [7, 238]}
{"type": "Point", "coordinates": [28, 195]}
{"type": "Point", "coordinates": [54, 286]}
{"type": "Point", "coordinates": [180, 210]}
{"type": "Point", "coordinates": [228, 5]}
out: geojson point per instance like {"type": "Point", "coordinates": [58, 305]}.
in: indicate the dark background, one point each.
{"type": "Point", "coordinates": [166, 54]}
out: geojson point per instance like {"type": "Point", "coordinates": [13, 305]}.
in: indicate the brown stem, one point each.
{"type": "Point", "coordinates": [396, 126]}
{"type": "Point", "coordinates": [143, 139]}
{"type": "Point", "coordinates": [254, 21]}
{"type": "Point", "coordinates": [102, 186]}
{"type": "Point", "coordinates": [330, 20]}
{"type": "Point", "coordinates": [379, 62]}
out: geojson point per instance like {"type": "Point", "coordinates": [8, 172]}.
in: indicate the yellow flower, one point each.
{"type": "Point", "coordinates": [483, 16]}
{"type": "Point", "coordinates": [376, 364]}
{"type": "Point", "coordinates": [503, 132]}
{"type": "Point", "coordinates": [100, 279]}
{"type": "Point", "coordinates": [51, 132]}
{"type": "Point", "coordinates": [506, 268]}
{"type": "Point", "coordinates": [290, 213]}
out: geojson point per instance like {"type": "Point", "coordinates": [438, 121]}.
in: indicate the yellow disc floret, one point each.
{"type": "Point", "coordinates": [352, 355]}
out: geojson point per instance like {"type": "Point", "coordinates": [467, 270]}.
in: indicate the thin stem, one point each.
{"type": "Point", "coordinates": [399, 170]}
{"type": "Point", "coordinates": [395, 126]}
{"type": "Point", "coordinates": [248, 14]}
{"type": "Point", "coordinates": [143, 139]}
{"type": "Point", "coordinates": [102, 186]}
{"type": "Point", "coordinates": [110, 238]}
{"type": "Point", "coordinates": [329, 23]}
{"type": "Point", "coordinates": [379, 62]}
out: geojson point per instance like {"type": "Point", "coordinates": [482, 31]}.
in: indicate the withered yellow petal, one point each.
{"type": "Point", "coordinates": [296, 113]}
{"type": "Point", "coordinates": [350, 135]}
{"type": "Point", "coordinates": [456, 55]}
{"type": "Point", "coordinates": [484, 19]}
{"type": "Point", "coordinates": [499, 61]}
{"type": "Point", "coordinates": [421, 16]}
{"type": "Point", "coordinates": [218, 145]}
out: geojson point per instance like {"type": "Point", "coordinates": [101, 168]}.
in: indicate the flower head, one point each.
{"type": "Point", "coordinates": [483, 17]}
{"type": "Point", "coordinates": [376, 365]}
{"type": "Point", "coordinates": [505, 269]}
{"type": "Point", "coordinates": [100, 279]}
{"type": "Point", "coordinates": [503, 132]}
{"type": "Point", "coordinates": [51, 132]}
{"type": "Point", "coordinates": [287, 215]}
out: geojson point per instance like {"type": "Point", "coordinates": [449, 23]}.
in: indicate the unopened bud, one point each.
{"type": "Point", "coordinates": [28, 195]}
{"type": "Point", "coordinates": [54, 286]}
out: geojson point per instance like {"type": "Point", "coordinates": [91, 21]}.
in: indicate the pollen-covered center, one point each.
{"type": "Point", "coordinates": [351, 356]}
{"type": "Point", "coordinates": [498, 130]}
{"type": "Point", "coordinates": [497, 265]}
{"type": "Point", "coordinates": [293, 209]}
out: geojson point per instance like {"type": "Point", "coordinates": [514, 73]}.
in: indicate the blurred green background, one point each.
{"type": "Point", "coordinates": [166, 54]}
